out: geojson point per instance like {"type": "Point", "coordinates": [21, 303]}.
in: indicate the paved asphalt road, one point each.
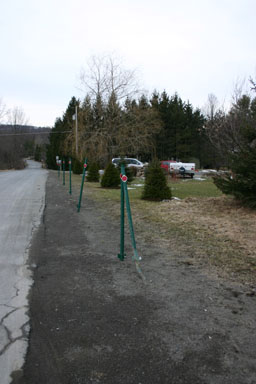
{"type": "Point", "coordinates": [22, 197]}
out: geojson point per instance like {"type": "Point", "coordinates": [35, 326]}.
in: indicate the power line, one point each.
{"type": "Point", "coordinates": [30, 133]}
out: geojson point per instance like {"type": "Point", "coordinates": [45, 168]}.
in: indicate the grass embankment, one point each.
{"type": "Point", "coordinates": [201, 224]}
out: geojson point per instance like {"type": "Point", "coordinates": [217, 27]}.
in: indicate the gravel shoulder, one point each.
{"type": "Point", "coordinates": [94, 320]}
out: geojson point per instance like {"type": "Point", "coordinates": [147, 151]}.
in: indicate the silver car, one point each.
{"type": "Point", "coordinates": [129, 162]}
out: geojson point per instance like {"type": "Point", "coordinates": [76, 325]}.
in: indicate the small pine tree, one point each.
{"type": "Point", "coordinates": [93, 173]}
{"type": "Point", "coordinates": [111, 177]}
{"type": "Point", "coordinates": [156, 187]}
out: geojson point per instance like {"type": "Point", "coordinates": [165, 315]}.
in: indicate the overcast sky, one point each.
{"type": "Point", "coordinates": [192, 47]}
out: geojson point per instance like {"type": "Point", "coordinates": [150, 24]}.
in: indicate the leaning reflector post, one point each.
{"type": "Point", "coordinates": [70, 176]}
{"type": "Point", "coordinates": [121, 255]}
{"type": "Point", "coordinates": [125, 196]}
{"type": "Point", "coordinates": [63, 169]}
{"type": "Point", "coordinates": [82, 186]}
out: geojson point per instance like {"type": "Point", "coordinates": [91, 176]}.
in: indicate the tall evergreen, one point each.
{"type": "Point", "coordinates": [179, 138]}
{"type": "Point", "coordinates": [56, 145]}
{"type": "Point", "coordinates": [61, 142]}
{"type": "Point", "coordinates": [241, 126]}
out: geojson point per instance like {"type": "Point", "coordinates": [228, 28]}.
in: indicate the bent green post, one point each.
{"type": "Point", "coordinates": [121, 255]}
{"type": "Point", "coordinates": [70, 176]}
{"type": "Point", "coordinates": [63, 169]}
{"type": "Point", "coordinates": [82, 186]}
{"type": "Point", "coordinates": [129, 214]}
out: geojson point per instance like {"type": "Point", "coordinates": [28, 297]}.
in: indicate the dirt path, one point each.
{"type": "Point", "coordinates": [94, 321]}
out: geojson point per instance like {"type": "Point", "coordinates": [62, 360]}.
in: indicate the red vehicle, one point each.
{"type": "Point", "coordinates": [166, 164]}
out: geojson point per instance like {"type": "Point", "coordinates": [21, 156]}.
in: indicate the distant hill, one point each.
{"type": "Point", "coordinates": [38, 134]}
{"type": "Point", "coordinates": [20, 141]}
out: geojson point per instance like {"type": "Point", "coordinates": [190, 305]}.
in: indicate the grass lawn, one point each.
{"type": "Point", "coordinates": [194, 188]}
{"type": "Point", "coordinates": [180, 188]}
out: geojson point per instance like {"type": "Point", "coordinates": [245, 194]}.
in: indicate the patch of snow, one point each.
{"type": "Point", "coordinates": [208, 171]}
{"type": "Point", "coordinates": [199, 178]}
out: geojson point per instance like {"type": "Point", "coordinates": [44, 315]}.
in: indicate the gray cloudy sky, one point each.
{"type": "Point", "coordinates": [193, 47]}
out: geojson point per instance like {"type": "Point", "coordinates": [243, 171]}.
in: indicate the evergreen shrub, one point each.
{"type": "Point", "coordinates": [156, 188]}
{"type": "Point", "coordinates": [93, 173]}
{"type": "Point", "coordinates": [111, 177]}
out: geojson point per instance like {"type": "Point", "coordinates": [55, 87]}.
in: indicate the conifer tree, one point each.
{"type": "Point", "coordinates": [93, 173]}
{"type": "Point", "coordinates": [240, 124]}
{"type": "Point", "coordinates": [156, 187]}
{"type": "Point", "coordinates": [111, 177]}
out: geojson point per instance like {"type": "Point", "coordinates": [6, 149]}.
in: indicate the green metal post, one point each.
{"type": "Point", "coordinates": [121, 255]}
{"type": "Point", "coordinates": [129, 214]}
{"type": "Point", "coordinates": [58, 165]}
{"type": "Point", "coordinates": [70, 176]}
{"type": "Point", "coordinates": [82, 186]}
{"type": "Point", "coordinates": [63, 169]}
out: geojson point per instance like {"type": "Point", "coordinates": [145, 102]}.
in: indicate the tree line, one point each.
{"type": "Point", "coordinates": [116, 118]}
{"type": "Point", "coordinates": [160, 127]}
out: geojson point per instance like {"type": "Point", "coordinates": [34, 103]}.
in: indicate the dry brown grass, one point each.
{"type": "Point", "coordinates": [215, 232]}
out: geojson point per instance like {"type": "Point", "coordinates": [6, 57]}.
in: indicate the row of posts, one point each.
{"type": "Point", "coordinates": [62, 162]}
{"type": "Point", "coordinates": [124, 202]}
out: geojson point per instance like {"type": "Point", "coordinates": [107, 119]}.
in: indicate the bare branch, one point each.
{"type": "Point", "coordinates": [105, 75]}
{"type": "Point", "coordinates": [16, 116]}
{"type": "Point", "coordinates": [253, 84]}
{"type": "Point", "coordinates": [3, 111]}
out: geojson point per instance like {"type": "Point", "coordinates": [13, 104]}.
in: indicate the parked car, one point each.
{"type": "Point", "coordinates": [129, 162]}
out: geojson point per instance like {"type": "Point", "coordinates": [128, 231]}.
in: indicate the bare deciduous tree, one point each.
{"type": "Point", "coordinates": [16, 116]}
{"type": "Point", "coordinates": [105, 75]}
{"type": "Point", "coordinates": [226, 130]}
{"type": "Point", "coordinates": [3, 111]}
{"type": "Point", "coordinates": [211, 107]}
